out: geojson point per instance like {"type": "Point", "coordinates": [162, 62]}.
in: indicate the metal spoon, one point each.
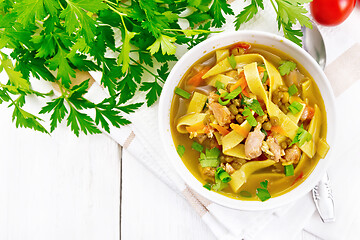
{"type": "Point", "coordinates": [313, 43]}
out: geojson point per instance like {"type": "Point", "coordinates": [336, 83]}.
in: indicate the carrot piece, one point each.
{"type": "Point", "coordinates": [245, 92]}
{"type": "Point", "coordinates": [308, 113]}
{"type": "Point", "coordinates": [198, 127]}
{"type": "Point", "coordinates": [261, 69]}
{"type": "Point", "coordinates": [197, 78]}
{"type": "Point", "coordinates": [243, 45]}
{"type": "Point", "coordinates": [240, 83]}
{"type": "Point", "coordinates": [278, 129]}
{"type": "Point", "coordinates": [223, 131]}
{"type": "Point", "coordinates": [239, 129]}
{"type": "Point", "coordinates": [301, 175]}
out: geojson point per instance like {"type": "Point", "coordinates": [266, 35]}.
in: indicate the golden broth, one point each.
{"type": "Point", "coordinates": [277, 185]}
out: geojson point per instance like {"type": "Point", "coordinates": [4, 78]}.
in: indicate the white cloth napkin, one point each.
{"type": "Point", "coordinates": [141, 139]}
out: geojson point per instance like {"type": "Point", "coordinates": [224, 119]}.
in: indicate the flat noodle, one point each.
{"type": "Point", "coordinates": [221, 78]}
{"type": "Point", "coordinates": [189, 120]}
{"type": "Point", "coordinates": [221, 54]}
{"type": "Point", "coordinates": [322, 148]}
{"type": "Point", "coordinates": [197, 103]}
{"type": "Point", "coordinates": [302, 162]}
{"type": "Point", "coordinates": [224, 65]}
{"type": "Point", "coordinates": [239, 177]}
{"type": "Point", "coordinates": [233, 138]}
{"type": "Point", "coordinates": [296, 118]}
{"type": "Point", "coordinates": [255, 86]}
{"type": "Point", "coordinates": [238, 151]}
{"type": "Point", "coordinates": [314, 129]}
{"type": "Point", "coordinates": [218, 137]}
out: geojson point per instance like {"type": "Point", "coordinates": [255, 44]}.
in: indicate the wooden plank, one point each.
{"type": "Point", "coordinates": [59, 186]}
{"type": "Point", "coordinates": [151, 210]}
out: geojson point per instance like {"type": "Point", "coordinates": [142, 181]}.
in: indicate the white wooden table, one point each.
{"type": "Point", "coordinates": [63, 187]}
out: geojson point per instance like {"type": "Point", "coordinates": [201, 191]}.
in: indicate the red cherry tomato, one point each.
{"type": "Point", "coordinates": [331, 12]}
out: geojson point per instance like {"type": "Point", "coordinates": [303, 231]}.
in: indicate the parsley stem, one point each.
{"type": "Point", "coordinates": [154, 75]}
{"type": "Point", "coordinates": [116, 11]}
{"type": "Point", "coordinates": [273, 4]}
{"type": "Point", "coordinates": [61, 5]}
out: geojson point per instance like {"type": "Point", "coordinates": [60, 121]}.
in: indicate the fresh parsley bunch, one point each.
{"type": "Point", "coordinates": [289, 13]}
{"type": "Point", "coordinates": [53, 39]}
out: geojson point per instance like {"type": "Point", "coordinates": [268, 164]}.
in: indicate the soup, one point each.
{"type": "Point", "coordinates": [249, 122]}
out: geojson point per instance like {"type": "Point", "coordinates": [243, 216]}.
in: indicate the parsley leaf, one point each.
{"type": "Point", "coordinates": [166, 43]}
{"type": "Point", "coordinates": [249, 117]}
{"type": "Point", "coordinates": [263, 192]}
{"type": "Point", "coordinates": [29, 9]}
{"type": "Point", "coordinates": [197, 146]}
{"type": "Point", "coordinates": [59, 62]}
{"type": "Point", "coordinates": [248, 13]}
{"type": "Point", "coordinates": [216, 10]}
{"type": "Point", "coordinates": [154, 90]}
{"type": "Point", "coordinates": [286, 67]}
{"type": "Point", "coordinates": [78, 120]}
{"type": "Point", "coordinates": [180, 150]}
{"type": "Point", "coordinates": [210, 158]}
{"type": "Point", "coordinates": [59, 111]}
{"type": "Point", "coordinates": [301, 136]}
{"type": "Point", "coordinates": [15, 77]}
{"type": "Point", "coordinates": [245, 194]}
{"type": "Point", "coordinates": [253, 104]}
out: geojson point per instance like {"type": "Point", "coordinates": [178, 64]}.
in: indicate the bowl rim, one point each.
{"type": "Point", "coordinates": [187, 176]}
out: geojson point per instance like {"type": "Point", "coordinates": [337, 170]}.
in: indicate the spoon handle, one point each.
{"type": "Point", "coordinates": [323, 198]}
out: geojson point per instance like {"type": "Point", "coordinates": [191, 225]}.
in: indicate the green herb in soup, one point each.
{"type": "Point", "coordinates": [252, 116]}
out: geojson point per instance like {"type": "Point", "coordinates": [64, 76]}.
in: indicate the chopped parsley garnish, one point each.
{"type": "Point", "coordinates": [182, 93]}
{"type": "Point", "coordinates": [219, 85]}
{"type": "Point", "coordinates": [301, 136]}
{"type": "Point", "coordinates": [292, 90]}
{"type": "Point", "coordinates": [180, 150]}
{"type": "Point", "coordinates": [249, 117]}
{"type": "Point", "coordinates": [197, 146]}
{"type": "Point", "coordinates": [207, 186]}
{"type": "Point", "coordinates": [232, 61]}
{"type": "Point", "coordinates": [210, 158]}
{"type": "Point", "coordinates": [221, 179]}
{"type": "Point", "coordinates": [263, 192]}
{"type": "Point", "coordinates": [245, 194]}
{"type": "Point", "coordinates": [286, 67]}
{"type": "Point", "coordinates": [253, 104]}
{"type": "Point", "coordinates": [295, 107]}
{"type": "Point", "coordinates": [289, 170]}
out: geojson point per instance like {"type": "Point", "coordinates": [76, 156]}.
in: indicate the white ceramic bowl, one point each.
{"type": "Point", "coordinates": [226, 39]}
